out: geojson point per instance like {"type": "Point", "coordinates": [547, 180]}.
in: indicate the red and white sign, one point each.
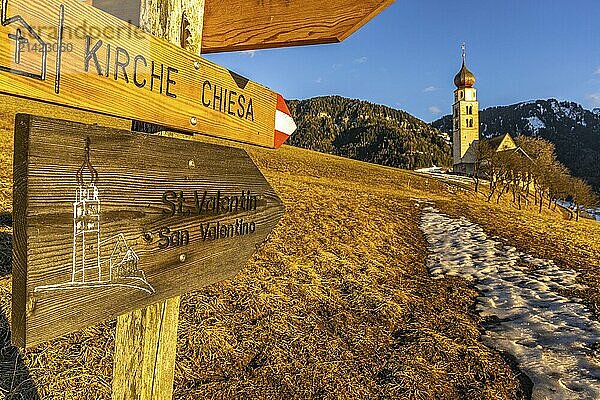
{"type": "Point", "coordinates": [284, 123]}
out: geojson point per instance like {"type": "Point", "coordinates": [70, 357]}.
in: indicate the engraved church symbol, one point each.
{"type": "Point", "coordinates": [91, 267]}
{"type": "Point", "coordinates": [22, 61]}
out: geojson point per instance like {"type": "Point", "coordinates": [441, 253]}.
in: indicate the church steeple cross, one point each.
{"type": "Point", "coordinates": [20, 40]}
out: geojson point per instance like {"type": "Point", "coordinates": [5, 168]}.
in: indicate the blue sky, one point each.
{"type": "Point", "coordinates": [407, 56]}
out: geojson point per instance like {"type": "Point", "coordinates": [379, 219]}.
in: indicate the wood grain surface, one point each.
{"type": "Point", "coordinates": [178, 21]}
{"type": "Point", "coordinates": [235, 25]}
{"type": "Point", "coordinates": [139, 184]}
{"type": "Point", "coordinates": [258, 24]}
{"type": "Point", "coordinates": [145, 347]}
{"type": "Point", "coordinates": [146, 339]}
{"type": "Point", "coordinates": [72, 54]}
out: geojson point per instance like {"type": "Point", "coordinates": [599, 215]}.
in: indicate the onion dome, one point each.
{"type": "Point", "coordinates": [464, 78]}
{"type": "Point", "coordinates": [87, 165]}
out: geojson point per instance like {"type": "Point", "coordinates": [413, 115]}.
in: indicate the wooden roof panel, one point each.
{"type": "Point", "coordinates": [234, 25]}
{"type": "Point", "coordinates": [258, 24]}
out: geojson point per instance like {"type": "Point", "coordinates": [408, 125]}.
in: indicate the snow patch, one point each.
{"type": "Point", "coordinates": [553, 338]}
{"type": "Point", "coordinates": [555, 106]}
{"type": "Point", "coordinates": [535, 124]}
{"type": "Point", "coordinates": [526, 103]}
{"type": "Point", "coordinates": [569, 111]}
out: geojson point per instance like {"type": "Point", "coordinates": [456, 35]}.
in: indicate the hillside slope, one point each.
{"type": "Point", "coordinates": [574, 130]}
{"type": "Point", "coordinates": [338, 304]}
{"type": "Point", "coordinates": [368, 132]}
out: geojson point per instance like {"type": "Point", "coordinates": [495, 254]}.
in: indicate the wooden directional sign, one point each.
{"type": "Point", "coordinates": [68, 53]}
{"type": "Point", "coordinates": [235, 25]}
{"type": "Point", "coordinates": [247, 24]}
{"type": "Point", "coordinates": [108, 221]}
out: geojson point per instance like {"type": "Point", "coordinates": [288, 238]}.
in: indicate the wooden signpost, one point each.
{"type": "Point", "coordinates": [110, 223]}
{"type": "Point", "coordinates": [107, 221]}
{"type": "Point", "coordinates": [68, 53]}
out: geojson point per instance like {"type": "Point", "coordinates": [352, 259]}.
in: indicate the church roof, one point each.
{"type": "Point", "coordinates": [502, 143]}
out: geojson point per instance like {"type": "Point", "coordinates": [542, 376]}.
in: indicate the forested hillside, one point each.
{"type": "Point", "coordinates": [368, 132]}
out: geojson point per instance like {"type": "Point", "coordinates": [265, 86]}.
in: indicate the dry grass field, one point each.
{"type": "Point", "coordinates": [338, 304]}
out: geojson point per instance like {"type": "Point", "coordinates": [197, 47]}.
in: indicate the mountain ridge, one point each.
{"type": "Point", "coordinates": [368, 132]}
{"type": "Point", "coordinates": [365, 131]}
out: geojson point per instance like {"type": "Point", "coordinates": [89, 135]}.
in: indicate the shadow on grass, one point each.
{"type": "Point", "coordinates": [5, 253]}
{"type": "Point", "coordinates": [6, 220]}
{"type": "Point", "coordinates": [15, 381]}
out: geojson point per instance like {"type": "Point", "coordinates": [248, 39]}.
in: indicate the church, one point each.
{"type": "Point", "coordinates": [465, 124]}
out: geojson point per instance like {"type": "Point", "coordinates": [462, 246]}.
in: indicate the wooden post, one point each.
{"type": "Point", "coordinates": [146, 340]}
{"type": "Point", "coordinates": [145, 348]}
{"type": "Point", "coordinates": [178, 21]}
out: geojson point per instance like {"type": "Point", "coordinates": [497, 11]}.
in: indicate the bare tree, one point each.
{"type": "Point", "coordinates": [533, 166]}
{"type": "Point", "coordinates": [582, 194]}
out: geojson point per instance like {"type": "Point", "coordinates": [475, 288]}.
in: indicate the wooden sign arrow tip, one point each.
{"type": "Point", "coordinates": [284, 123]}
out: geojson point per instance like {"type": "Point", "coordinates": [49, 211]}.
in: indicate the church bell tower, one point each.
{"type": "Point", "coordinates": [465, 120]}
